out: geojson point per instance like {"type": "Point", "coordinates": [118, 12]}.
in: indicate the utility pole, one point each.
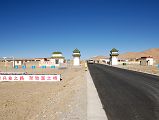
{"type": "Point", "coordinates": [13, 61]}
{"type": "Point", "coordinates": [5, 63]}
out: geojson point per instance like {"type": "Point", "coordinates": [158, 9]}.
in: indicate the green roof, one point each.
{"type": "Point", "coordinates": [76, 51]}
{"type": "Point", "coordinates": [57, 52]}
{"type": "Point", "coordinates": [114, 50]}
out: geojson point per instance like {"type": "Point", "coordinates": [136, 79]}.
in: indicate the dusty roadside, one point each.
{"type": "Point", "coordinates": [146, 69]}
{"type": "Point", "coordinates": [64, 100]}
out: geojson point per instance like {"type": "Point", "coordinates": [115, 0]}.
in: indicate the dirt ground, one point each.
{"type": "Point", "coordinates": [64, 100]}
{"type": "Point", "coordinates": [147, 69]}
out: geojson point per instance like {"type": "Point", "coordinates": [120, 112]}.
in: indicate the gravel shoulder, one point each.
{"type": "Point", "coordinates": [145, 69]}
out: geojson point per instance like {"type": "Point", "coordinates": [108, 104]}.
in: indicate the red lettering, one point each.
{"type": "Point", "coordinates": [21, 77]}
{"type": "Point", "coordinates": [55, 78]}
{"type": "Point", "coordinates": [30, 77]}
{"type": "Point", "coordinates": [37, 78]}
{"type": "Point", "coordinates": [10, 78]}
{"type": "Point", "coordinates": [48, 78]}
{"type": "Point", "coordinates": [15, 78]}
{"type": "Point", "coordinates": [4, 78]}
{"type": "Point", "coordinates": [42, 77]}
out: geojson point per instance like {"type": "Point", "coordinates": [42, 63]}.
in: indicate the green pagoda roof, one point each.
{"type": "Point", "coordinates": [114, 50]}
{"type": "Point", "coordinates": [76, 51]}
{"type": "Point", "coordinates": [57, 52]}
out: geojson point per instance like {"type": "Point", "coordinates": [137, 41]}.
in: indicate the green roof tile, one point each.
{"type": "Point", "coordinates": [76, 51]}
{"type": "Point", "coordinates": [57, 52]}
{"type": "Point", "coordinates": [114, 50]}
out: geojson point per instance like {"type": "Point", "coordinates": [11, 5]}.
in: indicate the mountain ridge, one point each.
{"type": "Point", "coordinates": [152, 52]}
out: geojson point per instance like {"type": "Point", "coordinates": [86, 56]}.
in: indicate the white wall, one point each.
{"type": "Point", "coordinates": [147, 61]}
{"type": "Point", "coordinates": [17, 62]}
{"type": "Point", "coordinates": [114, 52]}
{"type": "Point", "coordinates": [150, 61]}
{"type": "Point", "coordinates": [76, 53]}
{"type": "Point", "coordinates": [76, 61]}
{"type": "Point", "coordinates": [104, 61]}
{"type": "Point", "coordinates": [61, 60]}
{"type": "Point", "coordinates": [114, 60]}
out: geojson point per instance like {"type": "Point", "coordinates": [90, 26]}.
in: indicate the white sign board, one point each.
{"type": "Point", "coordinates": [30, 78]}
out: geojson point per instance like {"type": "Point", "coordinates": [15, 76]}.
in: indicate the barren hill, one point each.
{"type": "Point", "coordinates": [98, 57]}
{"type": "Point", "coordinates": [154, 52]}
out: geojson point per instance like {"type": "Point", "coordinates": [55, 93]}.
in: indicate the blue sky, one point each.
{"type": "Point", "coordinates": [36, 28]}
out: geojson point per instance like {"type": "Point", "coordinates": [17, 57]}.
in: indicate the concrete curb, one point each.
{"type": "Point", "coordinates": [95, 110]}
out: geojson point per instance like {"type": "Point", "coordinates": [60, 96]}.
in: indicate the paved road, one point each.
{"type": "Point", "coordinates": [126, 95]}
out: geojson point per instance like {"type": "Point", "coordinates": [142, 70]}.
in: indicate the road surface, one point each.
{"type": "Point", "coordinates": [126, 95]}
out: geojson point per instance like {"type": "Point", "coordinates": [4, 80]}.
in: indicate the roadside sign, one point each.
{"type": "Point", "coordinates": [33, 67]}
{"type": "Point", "coordinates": [43, 67]}
{"type": "Point", "coordinates": [24, 67]}
{"type": "Point", "coordinates": [30, 78]}
{"type": "Point", "coordinates": [52, 66]}
{"type": "Point", "coordinates": [16, 66]}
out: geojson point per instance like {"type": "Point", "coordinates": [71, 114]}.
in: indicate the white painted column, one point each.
{"type": "Point", "coordinates": [76, 61]}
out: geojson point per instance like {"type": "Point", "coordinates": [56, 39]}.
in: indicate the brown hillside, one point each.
{"type": "Point", "coordinates": [98, 57]}
{"type": "Point", "coordinates": [154, 52]}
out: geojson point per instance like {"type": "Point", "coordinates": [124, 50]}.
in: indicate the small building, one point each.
{"type": "Point", "coordinates": [76, 57]}
{"type": "Point", "coordinates": [17, 61]}
{"type": "Point", "coordinates": [21, 61]}
{"type": "Point", "coordinates": [146, 61]}
{"type": "Point", "coordinates": [114, 57]}
{"type": "Point", "coordinates": [104, 60]}
{"type": "Point", "coordinates": [39, 59]}
{"type": "Point", "coordinates": [57, 58]}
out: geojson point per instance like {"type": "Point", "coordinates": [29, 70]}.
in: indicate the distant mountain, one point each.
{"type": "Point", "coordinates": [98, 57]}
{"type": "Point", "coordinates": [154, 52]}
